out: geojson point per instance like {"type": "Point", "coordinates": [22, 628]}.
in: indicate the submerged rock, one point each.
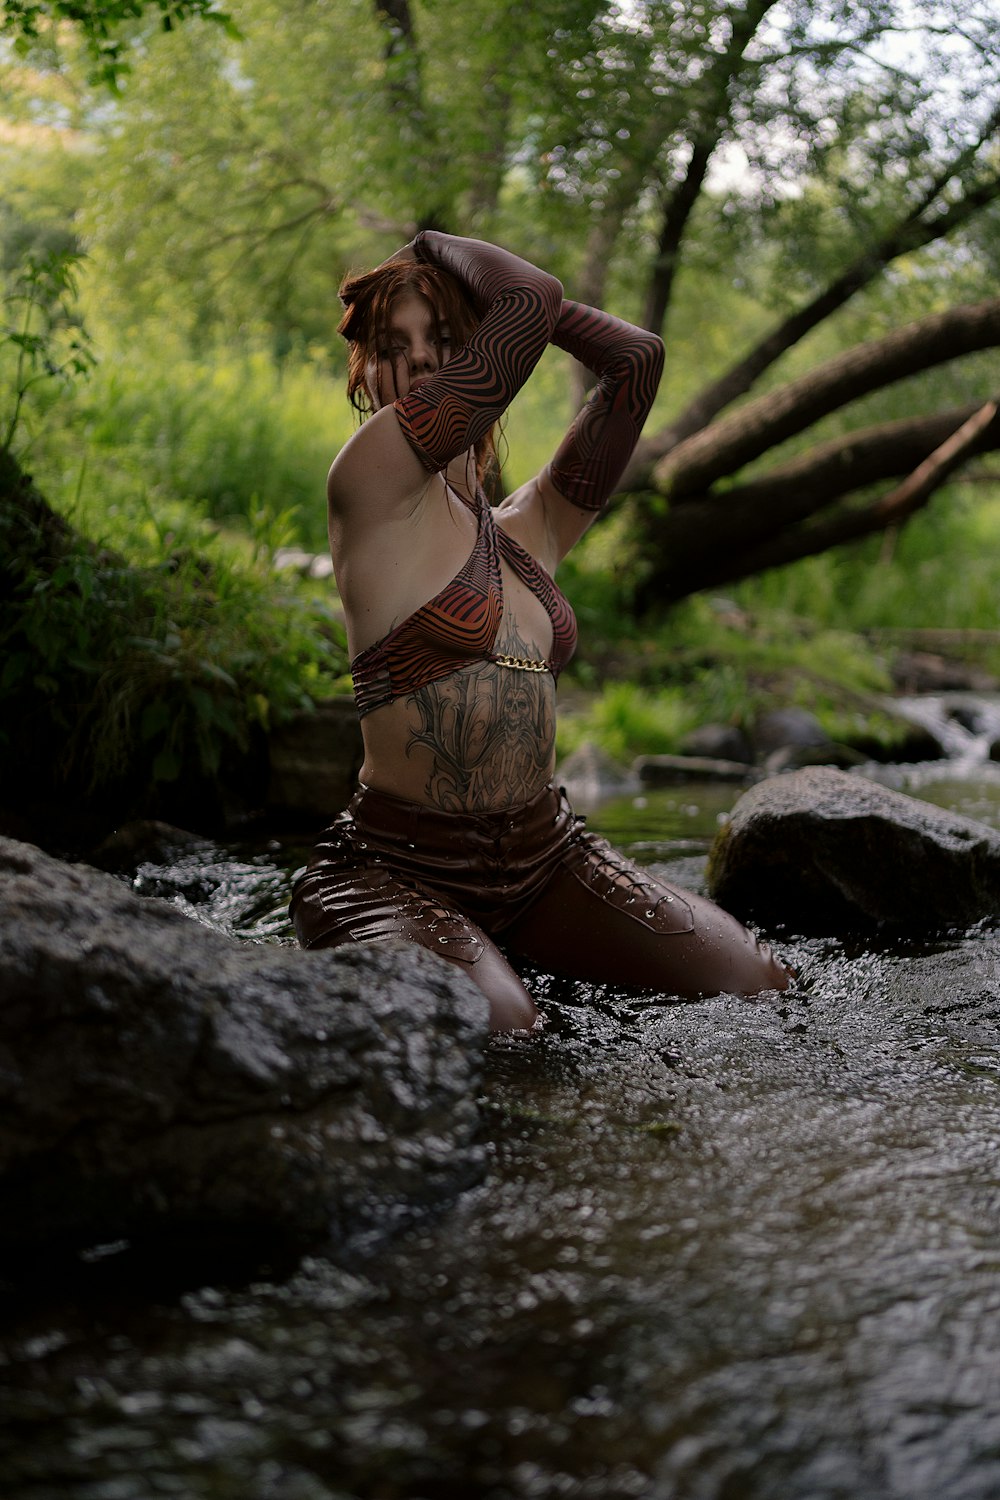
{"type": "Point", "coordinates": [668, 770]}
{"type": "Point", "coordinates": [824, 852]}
{"type": "Point", "coordinates": [160, 1080]}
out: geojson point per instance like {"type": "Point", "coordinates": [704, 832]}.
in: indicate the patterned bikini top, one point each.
{"type": "Point", "coordinates": [460, 624]}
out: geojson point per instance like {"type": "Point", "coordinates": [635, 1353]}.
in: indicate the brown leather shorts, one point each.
{"type": "Point", "coordinates": [533, 879]}
{"type": "Point", "coordinates": [385, 853]}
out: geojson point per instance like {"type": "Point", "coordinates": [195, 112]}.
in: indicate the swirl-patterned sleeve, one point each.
{"type": "Point", "coordinates": [628, 363]}
{"type": "Point", "coordinates": [449, 412]}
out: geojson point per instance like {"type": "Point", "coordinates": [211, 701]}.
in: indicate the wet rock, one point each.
{"type": "Point", "coordinates": [912, 742]}
{"type": "Point", "coordinates": [965, 715]}
{"type": "Point", "coordinates": [315, 759]}
{"type": "Point", "coordinates": [669, 770]}
{"type": "Point", "coordinates": [823, 852]}
{"type": "Point", "coordinates": [962, 723]}
{"type": "Point", "coordinates": [718, 742]}
{"type": "Point", "coordinates": [796, 757]}
{"type": "Point", "coordinates": [145, 841]}
{"type": "Point", "coordinates": [783, 727]}
{"type": "Point", "coordinates": [159, 1080]}
{"type": "Point", "coordinates": [928, 672]}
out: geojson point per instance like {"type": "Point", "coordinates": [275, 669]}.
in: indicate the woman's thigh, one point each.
{"type": "Point", "coordinates": [604, 919]}
{"type": "Point", "coordinates": [341, 902]}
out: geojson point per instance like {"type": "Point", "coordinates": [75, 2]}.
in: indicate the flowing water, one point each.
{"type": "Point", "coordinates": [727, 1250]}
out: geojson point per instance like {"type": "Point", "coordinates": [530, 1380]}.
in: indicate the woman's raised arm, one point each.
{"type": "Point", "coordinates": [520, 304]}
{"type": "Point", "coordinates": [628, 363]}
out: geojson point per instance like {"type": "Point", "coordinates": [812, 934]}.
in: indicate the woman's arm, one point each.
{"type": "Point", "coordinates": [628, 363]}
{"type": "Point", "coordinates": [520, 304]}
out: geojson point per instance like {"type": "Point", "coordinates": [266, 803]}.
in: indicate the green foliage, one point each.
{"type": "Point", "coordinates": [233, 432]}
{"type": "Point", "coordinates": [227, 186]}
{"type": "Point", "coordinates": [31, 21]}
{"type": "Point", "coordinates": [222, 193]}
{"type": "Point", "coordinates": [130, 671]}
{"type": "Point", "coordinates": [941, 569]}
{"type": "Point", "coordinates": [626, 720]}
{"type": "Point", "coordinates": [44, 346]}
{"type": "Point", "coordinates": [713, 661]}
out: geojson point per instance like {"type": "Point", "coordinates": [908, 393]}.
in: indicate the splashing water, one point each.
{"type": "Point", "coordinates": [727, 1250]}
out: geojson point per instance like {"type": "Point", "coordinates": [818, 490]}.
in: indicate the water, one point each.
{"type": "Point", "coordinates": [728, 1250]}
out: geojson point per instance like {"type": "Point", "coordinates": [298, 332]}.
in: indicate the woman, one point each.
{"type": "Point", "coordinates": [457, 839]}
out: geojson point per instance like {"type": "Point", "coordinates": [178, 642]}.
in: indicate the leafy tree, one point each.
{"type": "Point", "coordinates": [829, 170]}
{"type": "Point", "coordinates": [867, 135]}
{"type": "Point", "coordinates": [118, 676]}
{"type": "Point", "coordinates": [102, 24]}
{"type": "Point", "coordinates": [44, 340]}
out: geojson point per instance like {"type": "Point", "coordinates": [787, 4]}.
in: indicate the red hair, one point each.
{"type": "Point", "coordinates": [368, 300]}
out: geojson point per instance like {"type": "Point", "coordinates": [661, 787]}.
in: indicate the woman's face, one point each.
{"type": "Point", "coordinates": [411, 353]}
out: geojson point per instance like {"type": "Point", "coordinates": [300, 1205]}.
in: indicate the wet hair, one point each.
{"type": "Point", "coordinates": [368, 300]}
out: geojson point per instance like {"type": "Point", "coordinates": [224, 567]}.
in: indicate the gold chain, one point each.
{"type": "Point", "coordinates": [521, 663]}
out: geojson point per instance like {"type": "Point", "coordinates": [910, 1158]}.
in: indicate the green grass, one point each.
{"type": "Point", "coordinates": [626, 720]}
{"type": "Point", "coordinates": [232, 432]}
{"type": "Point", "coordinates": [941, 570]}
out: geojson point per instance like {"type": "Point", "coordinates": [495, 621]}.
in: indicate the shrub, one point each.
{"type": "Point", "coordinates": [123, 674]}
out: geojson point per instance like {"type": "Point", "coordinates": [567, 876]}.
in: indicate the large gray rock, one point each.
{"type": "Point", "coordinates": [822, 851]}
{"type": "Point", "coordinates": [158, 1079]}
{"type": "Point", "coordinates": [718, 742]}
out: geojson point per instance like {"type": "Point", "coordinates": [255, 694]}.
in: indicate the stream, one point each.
{"type": "Point", "coordinates": [726, 1250]}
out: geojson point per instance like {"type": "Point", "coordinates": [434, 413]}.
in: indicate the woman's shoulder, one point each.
{"type": "Point", "coordinates": [376, 467]}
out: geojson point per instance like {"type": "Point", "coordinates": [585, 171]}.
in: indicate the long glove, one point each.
{"type": "Point", "coordinates": [448, 413]}
{"type": "Point", "coordinates": [628, 362]}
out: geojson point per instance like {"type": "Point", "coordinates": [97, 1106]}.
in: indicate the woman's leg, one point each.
{"type": "Point", "coordinates": [338, 902]}
{"type": "Point", "coordinates": [604, 919]}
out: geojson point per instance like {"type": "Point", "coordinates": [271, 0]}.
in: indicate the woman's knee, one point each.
{"type": "Point", "coordinates": [677, 942]}
{"type": "Point", "coordinates": [724, 957]}
{"type": "Point", "coordinates": [511, 1007]}
{"type": "Point", "coordinates": [718, 955]}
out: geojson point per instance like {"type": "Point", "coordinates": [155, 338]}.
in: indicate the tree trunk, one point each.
{"type": "Point", "coordinates": [715, 539]}
{"type": "Point", "coordinates": [759, 426]}
{"type": "Point", "coordinates": [677, 202]}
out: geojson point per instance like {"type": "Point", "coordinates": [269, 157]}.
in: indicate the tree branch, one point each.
{"type": "Point", "coordinates": [750, 514]}
{"type": "Point", "coordinates": [677, 203]}
{"type": "Point", "coordinates": [917, 229]}
{"type": "Point", "coordinates": [759, 425]}
{"type": "Point", "coordinates": [703, 544]}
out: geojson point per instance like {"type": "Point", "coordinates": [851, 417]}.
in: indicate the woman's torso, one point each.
{"type": "Point", "coordinates": [481, 734]}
